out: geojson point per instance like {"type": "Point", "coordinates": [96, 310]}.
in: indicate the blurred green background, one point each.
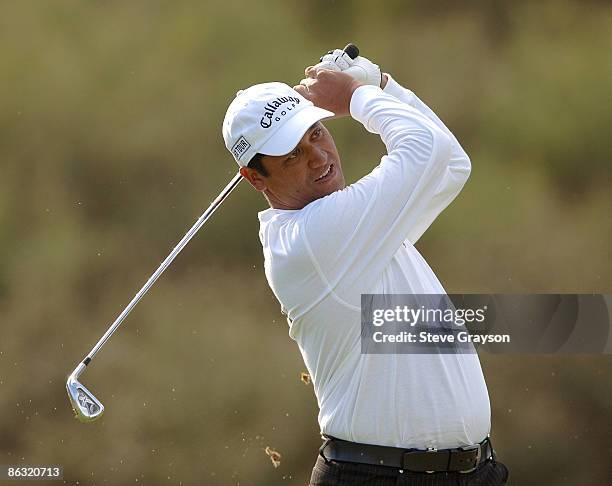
{"type": "Point", "coordinates": [110, 148]}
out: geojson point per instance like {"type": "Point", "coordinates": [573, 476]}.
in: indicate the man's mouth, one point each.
{"type": "Point", "coordinates": [327, 174]}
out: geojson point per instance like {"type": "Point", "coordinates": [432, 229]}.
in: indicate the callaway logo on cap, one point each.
{"type": "Point", "coordinates": [268, 118]}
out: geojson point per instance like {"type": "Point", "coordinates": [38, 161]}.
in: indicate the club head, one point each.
{"type": "Point", "coordinates": [87, 408]}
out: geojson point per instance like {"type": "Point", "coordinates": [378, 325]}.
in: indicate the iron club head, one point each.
{"type": "Point", "coordinates": [86, 406]}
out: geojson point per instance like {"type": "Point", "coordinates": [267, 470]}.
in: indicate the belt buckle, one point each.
{"type": "Point", "coordinates": [478, 457]}
{"type": "Point", "coordinates": [431, 449]}
{"type": "Point", "coordinates": [416, 451]}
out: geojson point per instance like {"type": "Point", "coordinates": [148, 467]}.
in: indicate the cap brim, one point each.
{"type": "Point", "coordinates": [286, 138]}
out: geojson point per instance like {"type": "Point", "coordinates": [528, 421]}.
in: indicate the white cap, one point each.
{"type": "Point", "coordinates": [268, 118]}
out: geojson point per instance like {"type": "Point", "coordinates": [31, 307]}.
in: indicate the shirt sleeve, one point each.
{"type": "Point", "coordinates": [457, 171]}
{"type": "Point", "coordinates": [355, 232]}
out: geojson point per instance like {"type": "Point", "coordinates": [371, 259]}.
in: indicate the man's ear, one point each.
{"type": "Point", "coordinates": [254, 178]}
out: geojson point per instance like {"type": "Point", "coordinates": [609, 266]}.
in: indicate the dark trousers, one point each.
{"type": "Point", "coordinates": [332, 473]}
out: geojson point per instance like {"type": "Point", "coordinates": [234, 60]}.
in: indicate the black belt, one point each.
{"type": "Point", "coordinates": [450, 460]}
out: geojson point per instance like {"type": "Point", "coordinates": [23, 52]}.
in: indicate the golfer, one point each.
{"type": "Point", "coordinates": [386, 419]}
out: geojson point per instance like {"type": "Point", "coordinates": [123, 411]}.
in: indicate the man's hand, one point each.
{"type": "Point", "coordinates": [360, 68]}
{"type": "Point", "coordinates": [331, 90]}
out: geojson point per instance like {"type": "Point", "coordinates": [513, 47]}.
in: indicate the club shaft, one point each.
{"type": "Point", "coordinates": [165, 264]}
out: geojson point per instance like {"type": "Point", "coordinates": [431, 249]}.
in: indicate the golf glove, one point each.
{"type": "Point", "coordinates": [362, 69]}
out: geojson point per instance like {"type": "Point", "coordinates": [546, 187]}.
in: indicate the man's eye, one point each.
{"type": "Point", "coordinates": [294, 154]}
{"type": "Point", "coordinates": [316, 133]}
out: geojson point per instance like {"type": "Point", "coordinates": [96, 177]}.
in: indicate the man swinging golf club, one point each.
{"type": "Point", "coordinates": [386, 419]}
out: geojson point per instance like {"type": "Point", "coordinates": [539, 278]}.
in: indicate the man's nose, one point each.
{"type": "Point", "coordinates": [317, 158]}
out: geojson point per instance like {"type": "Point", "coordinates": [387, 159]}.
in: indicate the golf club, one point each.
{"type": "Point", "coordinates": [86, 406]}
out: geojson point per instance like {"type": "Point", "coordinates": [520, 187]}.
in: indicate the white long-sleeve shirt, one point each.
{"type": "Point", "coordinates": [359, 240]}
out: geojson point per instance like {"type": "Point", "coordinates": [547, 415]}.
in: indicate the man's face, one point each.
{"type": "Point", "coordinates": [312, 170]}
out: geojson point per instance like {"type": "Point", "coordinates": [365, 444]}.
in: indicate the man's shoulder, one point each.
{"type": "Point", "coordinates": [279, 217]}
{"type": "Point", "coordinates": [279, 230]}
{"type": "Point", "coordinates": [321, 219]}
